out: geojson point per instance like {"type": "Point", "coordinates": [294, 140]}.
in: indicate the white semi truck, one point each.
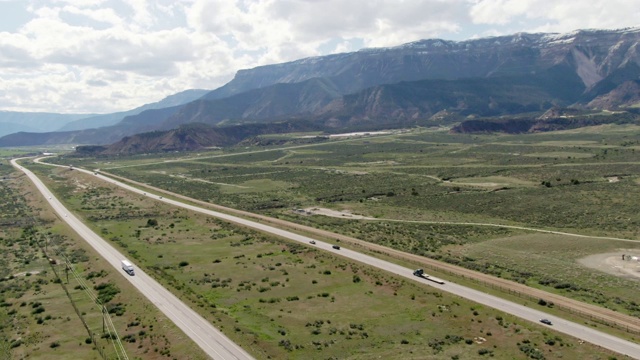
{"type": "Point", "coordinates": [127, 267]}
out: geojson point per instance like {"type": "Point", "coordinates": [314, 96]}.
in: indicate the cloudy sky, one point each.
{"type": "Point", "coordinates": [97, 56]}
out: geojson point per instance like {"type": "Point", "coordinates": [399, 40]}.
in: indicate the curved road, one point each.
{"type": "Point", "coordinates": [210, 339]}
{"type": "Point", "coordinates": [561, 325]}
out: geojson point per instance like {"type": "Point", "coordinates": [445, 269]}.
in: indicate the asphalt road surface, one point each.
{"type": "Point", "coordinates": [210, 339]}
{"type": "Point", "coordinates": [564, 326]}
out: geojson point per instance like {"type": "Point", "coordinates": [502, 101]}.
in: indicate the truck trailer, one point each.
{"type": "Point", "coordinates": [127, 267]}
{"type": "Point", "coordinates": [420, 273]}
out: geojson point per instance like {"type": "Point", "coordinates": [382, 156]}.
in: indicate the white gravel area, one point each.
{"type": "Point", "coordinates": [612, 263]}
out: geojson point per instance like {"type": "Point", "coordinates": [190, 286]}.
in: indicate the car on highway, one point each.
{"type": "Point", "coordinates": [312, 242]}
{"type": "Point", "coordinates": [546, 321]}
{"type": "Point", "coordinates": [337, 247]}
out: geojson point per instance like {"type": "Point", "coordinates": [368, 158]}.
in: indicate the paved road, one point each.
{"type": "Point", "coordinates": [210, 339]}
{"type": "Point", "coordinates": [576, 330]}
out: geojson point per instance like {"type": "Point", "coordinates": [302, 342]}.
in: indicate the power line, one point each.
{"type": "Point", "coordinates": [112, 331]}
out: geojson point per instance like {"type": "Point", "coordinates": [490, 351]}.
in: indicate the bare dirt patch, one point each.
{"type": "Point", "coordinates": [613, 264]}
{"type": "Point", "coordinates": [482, 184]}
{"type": "Point", "coordinates": [335, 213]}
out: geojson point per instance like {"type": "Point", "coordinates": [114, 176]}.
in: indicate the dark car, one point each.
{"type": "Point", "coordinates": [336, 247]}
{"type": "Point", "coordinates": [546, 321]}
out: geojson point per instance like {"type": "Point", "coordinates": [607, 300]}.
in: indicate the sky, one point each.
{"type": "Point", "coordinates": [102, 56]}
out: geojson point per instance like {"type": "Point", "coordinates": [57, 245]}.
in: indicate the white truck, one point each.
{"type": "Point", "coordinates": [127, 267]}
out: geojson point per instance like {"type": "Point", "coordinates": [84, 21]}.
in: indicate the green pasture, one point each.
{"type": "Point", "coordinates": [6, 153]}
{"type": "Point", "coordinates": [286, 300]}
{"type": "Point", "coordinates": [557, 181]}
{"type": "Point", "coordinates": [552, 262]}
{"type": "Point", "coordinates": [38, 319]}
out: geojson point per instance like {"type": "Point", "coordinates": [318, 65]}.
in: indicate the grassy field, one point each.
{"type": "Point", "coordinates": [48, 312]}
{"type": "Point", "coordinates": [284, 300]}
{"type": "Point", "coordinates": [583, 181]}
{"type": "Point", "coordinates": [34, 305]}
{"type": "Point", "coordinates": [5, 153]}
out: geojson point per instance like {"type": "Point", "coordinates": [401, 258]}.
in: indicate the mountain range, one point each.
{"type": "Point", "coordinates": [14, 121]}
{"type": "Point", "coordinates": [407, 85]}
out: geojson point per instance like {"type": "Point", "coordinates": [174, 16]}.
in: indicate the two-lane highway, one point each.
{"type": "Point", "coordinates": [579, 331]}
{"type": "Point", "coordinates": [210, 339]}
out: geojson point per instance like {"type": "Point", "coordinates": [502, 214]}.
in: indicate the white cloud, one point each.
{"type": "Point", "coordinates": [557, 16]}
{"type": "Point", "coordinates": [100, 15]}
{"type": "Point", "coordinates": [269, 23]}
{"type": "Point", "coordinates": [79, 3]}
{"type": "Point", "coordinates": [141, 14]}
{"type": "Point", "coordinates": [501, 12]}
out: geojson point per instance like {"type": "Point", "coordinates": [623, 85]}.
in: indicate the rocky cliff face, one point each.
{"type": "Point", "coordinates": [626, 94]}
{"type": "Point", "coordinates": [590, 54]}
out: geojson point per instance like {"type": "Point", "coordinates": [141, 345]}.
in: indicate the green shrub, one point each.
{"type": "Point", "coordinates": [106, 292]}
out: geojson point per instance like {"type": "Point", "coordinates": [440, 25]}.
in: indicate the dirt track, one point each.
{"type": "Point", "coordinates": [596, 313]}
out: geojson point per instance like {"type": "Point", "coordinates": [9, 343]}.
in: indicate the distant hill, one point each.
{"type": "Point", "coordinates": [143, 122]}
{"type": "Point", "coordinates": [8, 128]}
{"type": "Point", "coordinates": [142, 119]}
{"type": "Point", "coordinates": [517, 125]}
{"type": "Point", "coordinates": [275, 102]}
{"type": "Point", "coordinates": [14, 121]}
{"type": "Point", "coordinates": [197, 136]}
{"type": "Point", "coordinates": [192, 137]}
{"type": "Point", "coordinates": [98, 121]}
